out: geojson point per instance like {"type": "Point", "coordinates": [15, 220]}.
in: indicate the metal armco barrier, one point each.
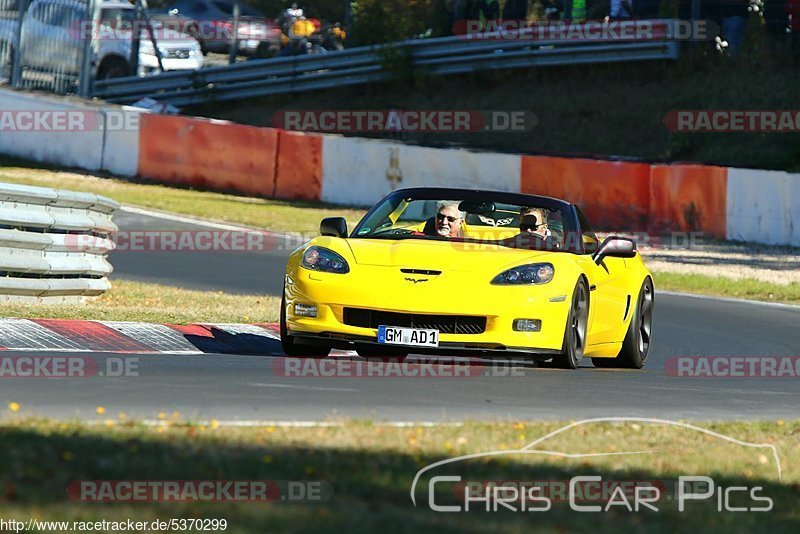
{"type": "Point", "coordinates": [53, 243]}
{"type": "Point", "coordinates": [445, 55]}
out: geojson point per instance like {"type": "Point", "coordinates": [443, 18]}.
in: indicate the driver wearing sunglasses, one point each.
{"type": "Point", "coordinates": [534, 230]}
{"type": "Point", "coordinates": [447, 222]}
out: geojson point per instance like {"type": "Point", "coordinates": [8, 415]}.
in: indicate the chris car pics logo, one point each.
{"type": "Point", "coordinates": [447, 490]}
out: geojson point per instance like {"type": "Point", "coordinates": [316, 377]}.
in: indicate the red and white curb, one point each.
{"type": "Point", "coordinates": [72, 335]}
{"type": "Point", "coordinates": [67, 335]}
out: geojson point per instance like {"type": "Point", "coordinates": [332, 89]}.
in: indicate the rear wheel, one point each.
{"type": "Point", "coordinates": [575, 331]}
{"type": "Point", "coordinates": [289, 344]}
{"type": "Point", "coordinates": [636, 346]}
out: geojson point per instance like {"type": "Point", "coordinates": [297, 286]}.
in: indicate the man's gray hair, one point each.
{"type": "Point", "coordinates": [449, 204]}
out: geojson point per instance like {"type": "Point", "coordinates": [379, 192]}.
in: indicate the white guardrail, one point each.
{"type": "Point", "coordinates": [54, 243]}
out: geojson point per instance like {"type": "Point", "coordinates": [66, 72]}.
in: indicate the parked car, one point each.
{"type": "Point", "coordinates": [178, 51]}
{"type": "Point", "coordinates": [257, 36]}
{"type": "Point", "coordinates": [53, 37]}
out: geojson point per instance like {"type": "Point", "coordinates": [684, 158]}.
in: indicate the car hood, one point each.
{"type": "Point", "coordinates": [440, 255]}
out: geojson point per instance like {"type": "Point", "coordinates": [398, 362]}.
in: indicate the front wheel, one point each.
{"type": "Point", "coordinates": [575, 331]}
{"type": "Point", "coordinates": [290, 346]}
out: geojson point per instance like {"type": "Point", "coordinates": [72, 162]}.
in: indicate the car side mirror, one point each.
{"type": "Point", "coordinates": [333, 226]}
{"type": "Point", "coordinates": [615, 247]}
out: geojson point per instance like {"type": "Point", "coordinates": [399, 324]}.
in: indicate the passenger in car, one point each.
{"type": "Point", "coordinates": [534, 230]}
{"type": "Point", "coordinates": [447, 222]}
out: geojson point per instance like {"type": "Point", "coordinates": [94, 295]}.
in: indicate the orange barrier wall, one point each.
{"type": "Point", "coordinates": [275, 163]}
{"type": "Point", "coordinates": [688, 198]}
{"type": "Point", "coordinates": [299, 168]}
{"type": "Point", "coordinates": [614, 195]}
{"type": "Point", "coordinates": [203, 153]}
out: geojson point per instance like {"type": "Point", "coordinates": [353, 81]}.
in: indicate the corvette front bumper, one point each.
{"type": "Point", "coordinates": [500, 305]}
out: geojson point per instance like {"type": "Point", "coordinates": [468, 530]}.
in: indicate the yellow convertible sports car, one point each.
{"type": "Point", "coordinates": [473, 273]}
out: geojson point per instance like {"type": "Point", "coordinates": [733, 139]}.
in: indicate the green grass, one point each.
{"type": "Point", "coordinates": [155, 303]}
{"type": "Point", "coordinates": [725, 287]}
{"type": "Point", "coordinates": [277, 215]}
{"type": "Point", "coordinates": [371, 468]}
{"type": "Point", "coordinates": [611, 109]}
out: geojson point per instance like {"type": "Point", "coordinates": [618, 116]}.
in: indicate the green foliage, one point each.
{"type": "Point", "coordinates": [383, 21]}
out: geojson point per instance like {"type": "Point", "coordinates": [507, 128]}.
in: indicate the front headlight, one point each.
{"type": "Point", "coordinates": [534, 273]}
{"type": "Point", "coordinates": [325, 260]}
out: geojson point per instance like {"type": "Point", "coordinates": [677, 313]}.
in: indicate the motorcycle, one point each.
{"type": "Point", "coordinates": [300, 35]}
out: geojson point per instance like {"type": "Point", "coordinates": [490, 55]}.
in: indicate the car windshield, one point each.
{"type": "Point", "coordinates": [124, 18]}
{"type": "Point", "coordinates": [118, 18]}
{"type": "Point", "coordinates": [528, 224]}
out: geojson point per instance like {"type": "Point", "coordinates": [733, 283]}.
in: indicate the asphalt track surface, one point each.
{"type": "Point", "coordinates": [254, 272]}
{"type": "Point", "coordinates": [246, 388]}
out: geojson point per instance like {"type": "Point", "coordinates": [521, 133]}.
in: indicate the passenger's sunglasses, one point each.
{"type": "Point", "coordinates": [442, 216]}
{"type": "Point", "coordinates": [530, 222]}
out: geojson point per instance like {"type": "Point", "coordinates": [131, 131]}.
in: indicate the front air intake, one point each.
{"type": "Point", "coordinates": [445, 324]}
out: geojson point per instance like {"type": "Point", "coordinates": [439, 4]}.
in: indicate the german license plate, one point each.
{"type": "Point", "coordinates": [416, 337]}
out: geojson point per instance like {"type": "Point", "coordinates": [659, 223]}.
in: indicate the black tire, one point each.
{"type": "Point", "coordinates": [290, 347]}
{"type": "Point", "coordinates": [113, 68]}
{"type": "Point", "coordinates": [576, 328]}
{"type": "Point", "coordinates": [637, 342]}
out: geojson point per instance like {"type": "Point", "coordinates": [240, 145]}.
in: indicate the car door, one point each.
{"type": "Point", "coordinates": [608, 296]}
